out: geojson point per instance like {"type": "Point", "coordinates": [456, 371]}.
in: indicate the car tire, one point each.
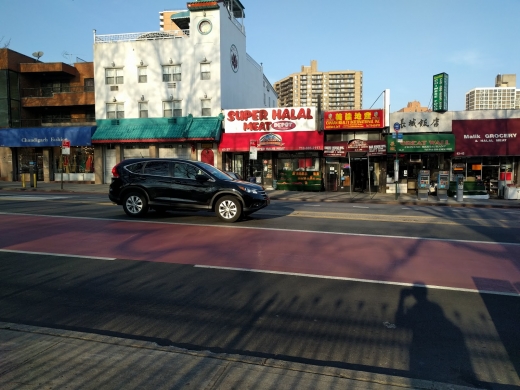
{"type": "Point", "coordinates": [135, 204]}
{"type": "Point", "coordinates": [228, 209]}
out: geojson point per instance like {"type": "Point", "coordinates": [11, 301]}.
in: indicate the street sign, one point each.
{"type": "Point", "coordinates": [397, 126]}
{"type": "Point", "coordinates": [65, 147]}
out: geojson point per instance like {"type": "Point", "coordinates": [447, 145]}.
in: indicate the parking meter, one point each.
{"type": "Point", "coordinates": [32, 171]}
{"type": "Point", "coordinates": [423, 184]}
{"type": "Point", "coordinates": [443, 182]}
{"type": "Point", "coordinates": [460, 188]}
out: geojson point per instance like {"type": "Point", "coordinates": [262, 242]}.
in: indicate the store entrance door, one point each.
{"type": "Point", "coordinates": [360, 174]}
{"type": "Point", "coordinates": [332, 176]}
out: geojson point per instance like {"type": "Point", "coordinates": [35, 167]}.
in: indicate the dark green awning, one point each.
{"type": "Point", "coordinates": [178, 129]}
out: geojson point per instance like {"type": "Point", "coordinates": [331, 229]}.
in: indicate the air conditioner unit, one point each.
{"type": "Point", "coordinates": [172, 85]}
{"type": "Point", "coordinates": [114, 87]}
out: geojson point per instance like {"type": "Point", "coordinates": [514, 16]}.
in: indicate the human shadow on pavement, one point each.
{"type": "Point", "coordinates": [432, 334]}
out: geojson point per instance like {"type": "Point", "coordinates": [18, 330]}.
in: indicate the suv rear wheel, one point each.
{"type": "Point", "coordinates": [135, 204]}
{"type": "Point", "coordinates": [228, 209]}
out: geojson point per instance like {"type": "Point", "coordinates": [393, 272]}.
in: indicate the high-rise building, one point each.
{"type": "Point", "coordinates": [337, 90]}
{"type": "Point", "coordinates": [504, 96]}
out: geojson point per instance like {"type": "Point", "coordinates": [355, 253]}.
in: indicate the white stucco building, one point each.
{"type": "Point", "coordinates": [199, 69]}
{"type": "Point", "coordinates": [162, 93]}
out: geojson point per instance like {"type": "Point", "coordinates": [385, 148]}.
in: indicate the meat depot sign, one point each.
{"type": "Point", "coordinates": [270, 119]}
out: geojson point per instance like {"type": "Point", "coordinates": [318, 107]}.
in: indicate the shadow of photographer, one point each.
{"type": "Point", "coordinates": [437, 350]}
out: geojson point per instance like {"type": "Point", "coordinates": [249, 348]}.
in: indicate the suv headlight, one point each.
{"type": "Point", "coordinates": [248, 190]}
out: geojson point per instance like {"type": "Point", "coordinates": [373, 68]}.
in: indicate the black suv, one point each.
{"type": "Point", "coordinates": [139, 184]}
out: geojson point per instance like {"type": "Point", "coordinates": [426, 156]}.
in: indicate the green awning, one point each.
{"type": "Point", "coordinates": [180, 15]}
{"type": "Point", "coordinates": [178, 129]}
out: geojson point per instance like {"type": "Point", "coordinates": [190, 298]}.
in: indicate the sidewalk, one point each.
{"type": "Point", "coordinates": [44, 358]}
{"type": "Point", "coordinates": [345, 197]}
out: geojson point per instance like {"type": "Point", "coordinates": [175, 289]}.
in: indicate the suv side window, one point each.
{"type": "Point", "coordinates": [186, 171]}
{"type": "Point", "coordinates": [135, 168]}
{"type": "Point", "coordinates": [157, 168]}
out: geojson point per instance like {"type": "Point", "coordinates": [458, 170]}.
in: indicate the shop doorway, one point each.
{"type": "Point", "coordinates": [30, 160]}
{"type": "Point", "coordinates": [359, 174]}
{"type": "Point", "coordinates": [332, 176]}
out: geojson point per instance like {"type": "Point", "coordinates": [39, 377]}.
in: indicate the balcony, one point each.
{"type": "Point", "coordinates": [56, 97]}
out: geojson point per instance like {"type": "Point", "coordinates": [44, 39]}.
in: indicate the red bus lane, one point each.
{"type": "Point", "coordinates": [453, 264]}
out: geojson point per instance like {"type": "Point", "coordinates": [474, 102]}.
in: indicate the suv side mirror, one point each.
{"type": "Point", "coordinates": [201, 178]}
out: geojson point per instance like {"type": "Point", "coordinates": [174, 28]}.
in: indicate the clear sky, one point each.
{"type": "Point", "coordinates": [397, 44]}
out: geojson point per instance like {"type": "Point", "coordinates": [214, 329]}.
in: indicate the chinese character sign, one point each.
{"type": "Point", "coordinates": [357, 119]}
{"type": "Point", "coordinates": [440, 92]}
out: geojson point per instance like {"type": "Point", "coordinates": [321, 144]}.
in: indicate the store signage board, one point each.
{"type": "Point", "coordinates": [340, 149]}
{"type": "Point", "coordinates": [493, 137]}
{"type": "Point", "coordinates": [353, 119]}
{"type": "Point", "coordinates": [423, 122]}
{"type": "Point", "coordinates": [256, 120]}
{"type": "Point", "coordinates": [424, 143]}
{"type": "Point", "coordinates": [440, 92]}
{"type": "Point", "coordinates": [292, 140]}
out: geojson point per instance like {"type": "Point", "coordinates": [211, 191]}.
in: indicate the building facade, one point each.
{"type": "Point", "coordinates": [335, 90]}
{"type": "Point", "coordinates": [190, 72]}
{"type": "Point", "coordinates": [42, 104]}
{"type": "Point", "coordinates": [414, 106]}
{"type": "Point", "coordinates": [504, 96]}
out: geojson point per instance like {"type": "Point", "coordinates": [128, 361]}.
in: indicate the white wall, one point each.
{"type": "Point", "coordinates": [226, 89]}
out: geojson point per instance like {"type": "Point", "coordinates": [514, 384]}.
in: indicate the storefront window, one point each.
{"type": "Point", "coordinates": [299, 171]}
{"type": "Point", "coordinates": [80, 160]}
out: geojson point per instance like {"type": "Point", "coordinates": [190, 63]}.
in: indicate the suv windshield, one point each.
{"type": "Point", "coordinates": [215, 172]}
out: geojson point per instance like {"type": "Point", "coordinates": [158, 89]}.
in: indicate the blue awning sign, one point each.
{"type": "Point", "coordinates": [47, 136]}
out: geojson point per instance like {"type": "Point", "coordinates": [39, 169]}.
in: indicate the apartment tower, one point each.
{"type": "Point", "coordinates": [337, 90]}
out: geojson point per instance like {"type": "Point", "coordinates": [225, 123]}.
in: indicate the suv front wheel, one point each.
{"type": "Point", "coordinates": [228, 209]}
{"type": "Point", "coordinates": [135, 204]}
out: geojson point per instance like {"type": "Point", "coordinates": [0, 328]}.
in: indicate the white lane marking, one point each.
{"type": "Point", "coordinates": [312, 205]}
{"type": "Point", "coordinates": [57, 254]}
{"type": "Point", "coordinates": [359, 280]}
{"type": "Point", "coordinates": [360, 207]}
{"type": "Point", "coordinates": [267, 229]}
{"type": "Point", "coordinates": [406, 208]}
{"type": "Point", "coordinates": [31, 197]}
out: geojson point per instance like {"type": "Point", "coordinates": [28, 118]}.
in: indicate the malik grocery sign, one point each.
{"type": "Point", "coordinates": [270, 119]}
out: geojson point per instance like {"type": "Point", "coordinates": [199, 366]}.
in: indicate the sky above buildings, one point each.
{"type": "Point", "coordinates": [398, 45]}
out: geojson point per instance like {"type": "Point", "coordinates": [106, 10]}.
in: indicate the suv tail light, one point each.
{"type": "Point", "coordinates": [115, 172]}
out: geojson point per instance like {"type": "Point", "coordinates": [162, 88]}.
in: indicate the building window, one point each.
{"type": "Point", "coordinates": [172, 109]}
{"type": "Point", "coordinates": [143, 78]}
{"type": "Point", "coordinates": [143, 109]}
{"type": "Point", "coordinates": [206, 107]}
{"type": "Point", "coordinates": [113, 76]}
{"type": "Point", "coordinates": [88, 85]}
{"type": "Point", "coordinates": [171, 73]}
{"type": "Point", "coordinates": [205, 73]}
{"type": "Point", "coordinates": [115, 110]}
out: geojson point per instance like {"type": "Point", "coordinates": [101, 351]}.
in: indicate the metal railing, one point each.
{"type": "Point", "coordinates": [43, 122]}
{"type": "Point", "coordinates": [141, 36]}
{"type": "Point", "coordinates": [50, 91]}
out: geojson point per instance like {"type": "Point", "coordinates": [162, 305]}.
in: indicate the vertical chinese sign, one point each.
{"type": "Point", "coordinates": [440, 92]}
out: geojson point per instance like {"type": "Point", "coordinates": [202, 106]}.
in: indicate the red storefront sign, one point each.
{"type": "Point", "coordinates": [340, 149]}
{"type": "Point", "coordinates": [487, 137]}
{"type": "Point", "coordinates": [353, 119]}
{"type": "Point", "coordinates": [294, 140]}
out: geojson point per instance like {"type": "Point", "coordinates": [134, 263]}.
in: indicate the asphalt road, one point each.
{"type": "Point", "coordinates": [334, 286]}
